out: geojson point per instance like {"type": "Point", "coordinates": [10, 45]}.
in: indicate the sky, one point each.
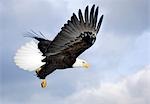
{"type": "Point", "coordinates": [119, 59]}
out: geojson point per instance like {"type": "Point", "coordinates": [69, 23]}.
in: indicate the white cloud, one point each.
{"type": "Point", "coordinates": [133, 89]}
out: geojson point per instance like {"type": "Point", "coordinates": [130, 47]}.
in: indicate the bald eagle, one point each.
{"type": "Point", "coordinates": [45, 56]}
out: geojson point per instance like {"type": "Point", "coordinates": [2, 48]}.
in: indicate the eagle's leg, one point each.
{"type": "Point", "coordinates": [37, 70]}
{"type": "Point", "coordinates": [43, 83]}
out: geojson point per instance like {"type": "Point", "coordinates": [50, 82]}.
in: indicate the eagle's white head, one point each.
{"type": "Point", "coordinates": [80, 63]}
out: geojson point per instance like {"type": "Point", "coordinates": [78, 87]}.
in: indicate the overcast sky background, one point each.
{"type": "Point", "coordinates": [120, 57]}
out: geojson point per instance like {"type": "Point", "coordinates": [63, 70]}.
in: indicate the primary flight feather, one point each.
{"type": "Point", "coordinates": [77, 35]}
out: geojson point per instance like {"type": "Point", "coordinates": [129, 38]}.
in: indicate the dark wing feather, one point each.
{"type": "Point", "coordinates": [43, 42]}
{"type": "Point", "coordinates": [95, 18]}
{"type": "Point", "coordinates": [80, 16]}
{"type": "Point", "coordinates": [99, 23]}
{"type": "Point", "coordinates": [86, 14]}
{"type": "Point", "coordinates": [92, 15]}
{"type": "Point", "coordinates": [77, 35]}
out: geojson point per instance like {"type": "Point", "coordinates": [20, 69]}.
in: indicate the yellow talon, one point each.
{"type": "Point", "coordinates": [43, 83]}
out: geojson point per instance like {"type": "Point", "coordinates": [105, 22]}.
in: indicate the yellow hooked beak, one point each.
{"type": "Point", "coordinates": [86, 65]}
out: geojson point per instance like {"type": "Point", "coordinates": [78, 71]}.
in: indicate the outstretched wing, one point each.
{"type": "Point", "coordinates": [78, 34]}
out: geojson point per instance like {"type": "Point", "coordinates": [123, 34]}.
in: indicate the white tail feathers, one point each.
{"type": "Point", "coordinates": [29, 57]}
